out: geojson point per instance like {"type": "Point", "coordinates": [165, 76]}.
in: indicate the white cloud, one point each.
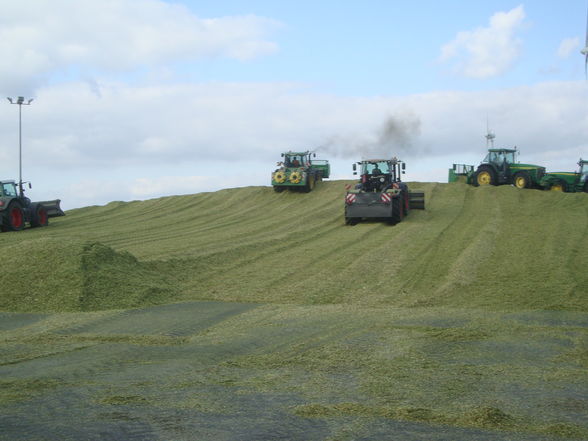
{"type": "Point", "coordinates": [77, 145]}
{"type": "Point", "coordinates": [42, 37]}
{"type": "Point", "coordinates": [487, 51]}
{"type": "Point", "coordinates": [567, 46]}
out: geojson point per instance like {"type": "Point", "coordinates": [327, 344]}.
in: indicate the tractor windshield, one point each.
{"type": "Point", "coordinates": [500, 157]}
{"type": "Point", "coordinates": [9, 189]}
{"type": "Point", "coordinates": [584, 172]}
{"type": "Point", "coordinates": [294, 160]}
{"type": "Point", "coordinates": [375, 168]}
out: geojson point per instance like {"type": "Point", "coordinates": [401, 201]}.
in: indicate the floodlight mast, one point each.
{"type": "Point", "coordinates": [20, 101]}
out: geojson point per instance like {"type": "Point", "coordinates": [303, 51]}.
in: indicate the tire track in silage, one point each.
{"type": "Point", "coordinates": [447, 259]}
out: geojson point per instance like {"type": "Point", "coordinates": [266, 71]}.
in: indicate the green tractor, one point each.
{"type": "Point", "coordinates": [499, 167]}
{"type": "Point", "coordinates": [297, 171]}
{"type": "Point", "coordinates": [570, 182]}
{"type": "Point", "coordinates": [16, 209]}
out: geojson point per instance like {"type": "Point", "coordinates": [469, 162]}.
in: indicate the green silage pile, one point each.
{"type": "Point", "coordinates": [56, 275]}
{"type": "Point", "coordinates": [247, 314]}
{"type": "Point", "coordinates": [494, 247]}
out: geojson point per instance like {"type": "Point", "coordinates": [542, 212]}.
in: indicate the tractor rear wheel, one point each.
{"type": "Point", "coordinates": [397, 210]}
{"type": "Point", "coordinates": [14, 218]}
{"type": "Point", "coordinates": [522, 180]}
{"type": "Point", "coordinates": [39, 217]}
{"type": "Point", "coordinates": [310, 184]}
{"type": "Point", "coordinates": [351, 220]}
{"type": "Point", "coordinates": [586, 187]}
{"type": "Point", "coordinates": [486, 176]}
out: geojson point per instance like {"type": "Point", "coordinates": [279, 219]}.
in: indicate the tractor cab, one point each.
{"type": "Point", "coordinates": [500, 157]}
{"type": "Point", "coordinates": [8, 189]}
{"type": "Point", "coordinates": [378, 174]}
{"type": "Point", "coordinates": [583, 170]}
{"type": "Point", "coordinates": [296, 159]}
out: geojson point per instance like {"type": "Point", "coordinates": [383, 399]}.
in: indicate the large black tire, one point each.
{"type": "Point", "coordinates": [278, 189]}
{"type": "Point", "coordinates": [351, 221]}
{"type": "Point", "coordinates": [310, 184]}
{"type": "Point", "coordinates": [397, 210]}
{"type": "Point", "coordinates": [39, 217]}
{"type": "Point", "coordinates": [521, 180]}
{"type": "Point", "coordinates": [586, 187]}
{"type": "Point", "coordinates": [474, 181]}
{"type": "Point", "coordinates": [486, 176]}
{"type": "Point", "coordinates": [14, 219]}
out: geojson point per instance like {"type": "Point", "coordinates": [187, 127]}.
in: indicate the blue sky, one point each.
{"type": "Point", "coordinates": [392, 47]}
{"type": "Point", "coordinates": [137, 99]}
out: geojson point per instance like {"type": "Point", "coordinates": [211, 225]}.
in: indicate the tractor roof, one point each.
{"type": "Point", "coordinates": [297, 153]}
{"type": "Point", "coordinates": [503, 150]}
{"type": "Point", "coordinates": [8, 182]}
{"type": "Point", "coordinates": [379, 160]}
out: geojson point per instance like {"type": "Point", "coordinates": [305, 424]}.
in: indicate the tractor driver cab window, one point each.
{"type": "Point", "coordinates": [377, 168]}
{"type": "Point", "coordinates": [295, 161]}
{"type": "Point", "coordinates": [584, 173]}
{"type": "Point", "coordinates": [509, 157]}
{"type": "Point", "coordinates": [9, 190]}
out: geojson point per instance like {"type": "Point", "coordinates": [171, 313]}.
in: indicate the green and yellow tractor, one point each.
{"type": "Point", "coordinates": [499, 167]}
{"type": "Point", "coordinates": [298, 171]}
{"type": "Point", "coordinates": [570, 182]}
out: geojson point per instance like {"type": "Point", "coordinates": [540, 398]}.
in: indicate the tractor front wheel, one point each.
{"type": "Point", "coordinates": [558, 186]}
{"type": "Point", "coordinates": [522, 180]}
{"type": "Point", "coordinates": [14, 218]}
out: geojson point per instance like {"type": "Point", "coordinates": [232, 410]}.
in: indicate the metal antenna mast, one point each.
{"type": "Point", "coordinates": [20, 102]}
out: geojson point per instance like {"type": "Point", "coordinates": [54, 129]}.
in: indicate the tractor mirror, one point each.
{"type": "Point", "coordinates": [30, 186]}
{"type": "Point", "coordinates": [403, 166]}
{"type": "Point", "coordinates": [314, 155]}
{"type": "Point", "coordinates": [282, 155]}
{"type": "Point", "coordinates": [354, 168]}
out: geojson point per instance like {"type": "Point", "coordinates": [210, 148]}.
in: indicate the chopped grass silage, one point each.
{"type": "Point", "coordinates": [472, 374]}
{"type": "Point", "coordinates": [467, 319]}
{"type": "Point", "coordinates": [48, 274]}
{"type": "Point", "coordinates": [492, 247]}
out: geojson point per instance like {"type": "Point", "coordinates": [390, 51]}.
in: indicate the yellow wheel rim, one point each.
{"type": "Point", "coordinates": [484, 178]}
{"type": "Point", "coordinates": [280, 177]}
{"type": "Point", "coordinates": [557, 187]}
{"type": "Point", "coordinates": [295, 178]}
{"type": "Point", "coordinates": [520, 182]}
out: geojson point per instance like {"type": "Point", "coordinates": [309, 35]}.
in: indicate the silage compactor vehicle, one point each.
{"type": "Point", "coordinates": [299, 171]}
{"type": "Point", "coordinates": [570, 182]}
{"type": "Point", "coordinates": [16, 209]}
{"type": "Point", "coordinates": [380, 193]}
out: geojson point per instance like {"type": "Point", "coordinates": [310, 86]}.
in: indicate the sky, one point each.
{"type": "Point", "coordinates": [139, 99]}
